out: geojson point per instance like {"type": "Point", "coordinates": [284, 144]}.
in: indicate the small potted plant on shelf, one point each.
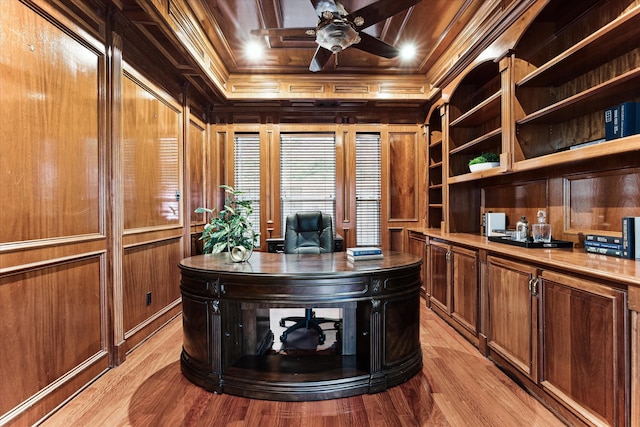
{"type": "Point", "coordinates": [231, 229]}
{"type": "Point", "coordinates": [484, 161]}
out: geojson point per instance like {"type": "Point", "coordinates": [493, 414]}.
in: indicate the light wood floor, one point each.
{"type": "Point", "coordinates": [457, 387]}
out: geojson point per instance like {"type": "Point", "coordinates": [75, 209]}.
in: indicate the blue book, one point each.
{"type": "Point", "coordinates": [364, 251]}
{"type": "Point", "coordinates": [617, 246]}
{"type": "Point", "coordinates": [629, 118]}
{"type": "Point", "coordinates": [604, 251]}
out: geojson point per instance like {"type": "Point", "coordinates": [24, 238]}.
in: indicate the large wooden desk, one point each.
{"type": "Point", "coordinates": [226, 325]}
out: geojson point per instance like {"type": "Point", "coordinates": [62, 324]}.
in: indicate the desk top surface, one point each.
{"type": "Point", "coordinates": [274, 264]}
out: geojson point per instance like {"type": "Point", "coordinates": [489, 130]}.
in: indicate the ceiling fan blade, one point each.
{"type": "Point", "coordinates": [320, 58]}
{"type": "Point", "coordinates": [376, 46]}
{"type": "Point", "coordinates": [381, 10]}
{"type": "Point", "coordinates": [284, 32]}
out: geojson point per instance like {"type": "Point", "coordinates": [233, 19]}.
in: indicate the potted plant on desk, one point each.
{"type": "Point", "coordinates": [231, 229]}
{"type": "Point", "coordinates": [484, 161]}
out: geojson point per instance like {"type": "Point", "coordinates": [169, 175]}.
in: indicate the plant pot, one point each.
{"type": "Point", "coordinates": [240, 248]}
{"type": "Point", "coordinates": [483, 166]}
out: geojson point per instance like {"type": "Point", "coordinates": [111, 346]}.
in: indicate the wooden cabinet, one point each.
{"type": "Point", "coordinates": [588, 321]}
{"type": "Point", "coordinates": [453, 284]}
{"type": "Point", "coordinates": [418, 246]}
{"type": "Point", "coordinates": [512, 311]}
{"type": "Point", "coordinates": [565, 334]}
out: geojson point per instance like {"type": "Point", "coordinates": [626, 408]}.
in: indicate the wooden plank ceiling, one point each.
{"type": "Point", "coordinates": [351, 81]}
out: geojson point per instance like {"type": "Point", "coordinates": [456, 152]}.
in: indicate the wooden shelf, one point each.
{"type": "Point", "coordinates": [623, 87]}
{"type": "Point", "coordinates": [478, 141]}
{"type": "Point", "coordinates": [435, 165]}
{"type": "Point", "coordinates": [472, 176]}
{"type": "Point", "coordinates": [603, 45]}
{"type": "Point", "coordinates": [487, 109]}
{"type": "Point", "coordinates": [629, 144]}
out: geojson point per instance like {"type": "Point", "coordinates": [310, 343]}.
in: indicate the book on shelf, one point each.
{"type": "Point", "coordinates": [364, 257]}
{"type": "Point", "coordinates": [631, 237]}
{"type": "Point", "coordinates": [611, 123]}
{"type": "Point", "coordinates": [603, 239]}
{"type": "Point", "coordinates": [622, 120]}
{"type": "Point", "coordinates": [586, 144]}
{"type": "Point", "coordinates": [364, 250]}
{"type": "Point", "coordinates": [629, 115]}
{"type": "Point", "coordinates": [604, 251]}
{"type": "Point", "coordinates": [617, 246]}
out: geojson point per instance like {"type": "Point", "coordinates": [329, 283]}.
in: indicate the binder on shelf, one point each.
{"type": "Point", "coordinates": [364, 250]}
{"type": "Point", "coordinates": [622, 120]}
{"type": "Point", "coordinates": [611, 123]}
{"type": "Point", "coordinates": [631, 237]}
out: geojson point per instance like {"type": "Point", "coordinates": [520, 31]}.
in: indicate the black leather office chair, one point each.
{"type": "Point", "coordinates": [308, 233]}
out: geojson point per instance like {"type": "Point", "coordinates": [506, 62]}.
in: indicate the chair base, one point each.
{"type": "Point", "coordinates": [309, 321]}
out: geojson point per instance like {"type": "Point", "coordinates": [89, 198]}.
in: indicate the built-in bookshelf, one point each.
{"type": "Point", "coordinates": [541, 107]}
{"type": "Point", "coordinates": [435, 187]}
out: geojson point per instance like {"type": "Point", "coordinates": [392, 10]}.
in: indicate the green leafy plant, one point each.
{"type": "Point", "coordinates": [485, 158]}
{"type": "Point", "coordinates": [231, 226]}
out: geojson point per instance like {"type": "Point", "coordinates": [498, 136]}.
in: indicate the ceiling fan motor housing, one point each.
{"type": "Point", "coordinates": [336, 34]}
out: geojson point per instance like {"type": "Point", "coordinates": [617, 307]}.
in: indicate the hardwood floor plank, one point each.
{"type": "Point", "coordinates": [457, 387]}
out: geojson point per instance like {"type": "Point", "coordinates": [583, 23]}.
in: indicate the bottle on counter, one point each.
{"type": "Point", "coordinates": [541, 231]}
{"type": "Point", "coordinates": [522, 229]}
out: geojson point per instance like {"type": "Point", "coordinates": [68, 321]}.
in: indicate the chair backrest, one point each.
{"type": "Point", "coordinates": [308, 233]}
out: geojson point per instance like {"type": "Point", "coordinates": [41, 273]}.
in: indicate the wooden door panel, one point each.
{"type": "Point", "coordinates": [49, 166]}
{"type": "Point", "coordinates": [583, 349]}
{"type": "Point", "coordinates": [464, 288]}
{"type": "Point", "coordinates": [438, 274]}
{"type": "Point", "coordinates": [150, 158]}
{"type": "Point", "coordinates": [512, 314]}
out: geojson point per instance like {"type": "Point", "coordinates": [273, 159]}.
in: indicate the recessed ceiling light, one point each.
{"type": "Point", "coordinates": [254, 50]}
{"type": "Point", "coordinates": [408, 52]}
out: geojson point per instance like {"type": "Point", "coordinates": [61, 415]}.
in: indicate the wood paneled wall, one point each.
{"type": "Point", "coordinates": [91, 178]}
{"type": "Point", "coordinates": [100, 171]}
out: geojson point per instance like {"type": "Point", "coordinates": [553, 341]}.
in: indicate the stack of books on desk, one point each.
{"type": "Point", "coordinates": [363, 253]}
{"type": "Point", "coordinates": [625, 246]}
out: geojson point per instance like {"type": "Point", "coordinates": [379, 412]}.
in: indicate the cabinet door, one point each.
{"type": "Point", "coordinates": [464, 288]}
{"type": "Point", "coordinates": [439, 275]}
{"type": "Point", "coordinates": [583, 347]}
{"type": "Point", "coordinates": [512, 313]}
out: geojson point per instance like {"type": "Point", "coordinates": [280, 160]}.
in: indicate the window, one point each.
{"type": "Point", "coordinates": [246, 155]}
{"type": "Point", "coordinates": [368, 189]}
{"type": "Point", "coordinates": [307, 174]}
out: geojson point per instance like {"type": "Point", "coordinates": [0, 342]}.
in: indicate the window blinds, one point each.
{"type": "Point", "coordinates": [246, 159]}
{"type": "Point", "coordinates": [368, 189]}
{"type": "Point", "coordinates": [307, 174]}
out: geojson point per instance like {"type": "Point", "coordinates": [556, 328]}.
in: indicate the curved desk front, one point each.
{"type": "Point", "coordinates": [226, 324]}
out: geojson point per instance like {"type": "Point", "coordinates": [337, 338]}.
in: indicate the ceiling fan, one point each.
{"type": "Point", "coordinates": [337, 29]}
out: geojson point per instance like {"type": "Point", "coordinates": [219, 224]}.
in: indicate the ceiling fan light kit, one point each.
{"type": "Point", "coordinates": [337, 29]}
